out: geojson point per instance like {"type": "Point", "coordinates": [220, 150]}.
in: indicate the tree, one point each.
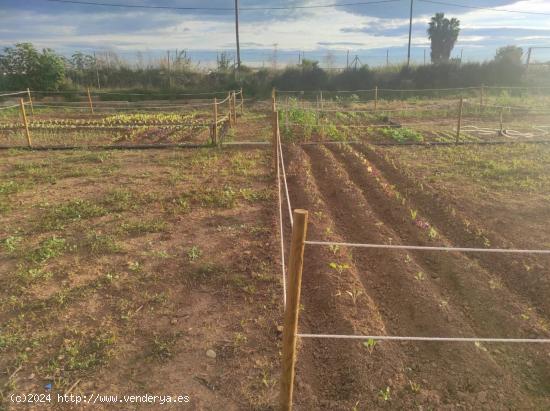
{"type": "Point", "coordinates": [443, 34]}
{"type": "Point", "coordinates": [509, 54]}
{"type": "Point", "coordinates": [23, 66]}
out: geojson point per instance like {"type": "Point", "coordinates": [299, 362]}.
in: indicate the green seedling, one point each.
{"type": "Point", "coordinates": [194, 253]}
{"type": "Point", "coordinates": [339, 267]}
{"type": "Point", "coordinates": [414, 213]}
{"type": "Point", "coordinates": [334, 248]}
{"type": "Point", "coordinates": [385, 394]}
{"type": "Point", "coordinates": [370, 344]}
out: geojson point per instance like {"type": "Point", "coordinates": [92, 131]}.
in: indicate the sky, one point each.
{"type": "Point", "coordinates": [372, 32]}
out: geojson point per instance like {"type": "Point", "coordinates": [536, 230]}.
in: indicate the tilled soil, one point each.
{"type": "Point", "coordinates": [386, 292]}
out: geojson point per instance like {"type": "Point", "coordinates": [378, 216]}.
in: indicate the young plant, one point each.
{"type": "Point", "coordinates": [369, 345]}
{"type": "Point", "coordinates": [339, 267]}
{"type": "Point", "coordinates": [385, 394]}
{"type": "Point", "coordinates": [194, 253]}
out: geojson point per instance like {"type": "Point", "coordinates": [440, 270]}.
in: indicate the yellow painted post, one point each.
{"type": "Point", "coordinates": [459, 124]}
{"type": "Point", "coordinates": [90, 101]}
{"type": "Point", "coordinates": [30, 101]}
{"type": "Point", "coordinates": [290, 325]}
{"type": "Point", "coordinates": [375, 98]}
{"type": "Point", "coordinates": [215, 126]}
{"type": "Point", "coordinates": [25, 122]}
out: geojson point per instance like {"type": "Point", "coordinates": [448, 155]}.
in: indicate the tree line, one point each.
{"type": "Point", "coordinates": [23, 66]}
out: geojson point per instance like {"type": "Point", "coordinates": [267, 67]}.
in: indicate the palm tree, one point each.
{"type": "Point", "coordinates": [443, 34]}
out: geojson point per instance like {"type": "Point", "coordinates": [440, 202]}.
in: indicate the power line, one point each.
{"type": "Point", "coordinates": [484, 8]}
{"type": "Point", "coordinates": [143, 6]}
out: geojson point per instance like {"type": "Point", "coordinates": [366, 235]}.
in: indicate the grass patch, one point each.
{"type": "Point", "coordinates": [49, 248]}
{"type": "Point", "coordinates": [135, 228]}
{"type": "Point", "coordinates": [57, 216]}
{"type": "Point", "coordinates": [98, 244]}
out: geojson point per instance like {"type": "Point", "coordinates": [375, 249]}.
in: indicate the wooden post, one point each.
{"type": "Point", "coordinates": [290, 327]}
{"type": "Point", "coordinates": [501, 131]}
{"type": "Point", "coordinates": [230, 111]}
{"type": "Point", "coordinates": [275, 136]}
{"type": "Point", "coordinates": [273, 94]}
{"type": "Point", "coordinates": [459, 124]}
{"type": "Point", "coordinates": [242, 102]}
{"type": "Point", "coordinates": [375, 98]}
{"type": "Point", "coordinates": [481, 95]}
{"type": "Point", "coordinates": [90, 101]}
{"type": "Point", "coordinates": [25, 122]}
{"type": "Point", "coordinates": [235, 107]}
{"type": "Point", "coordinates": [215, 128]}
{"type": "Point", "coordinates": [321, 99]}
{"type": "Point", "coordinates": [30, 101]}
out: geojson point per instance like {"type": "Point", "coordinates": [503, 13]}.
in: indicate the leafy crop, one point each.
{"type": "Point", "coordinates": [402, 134]}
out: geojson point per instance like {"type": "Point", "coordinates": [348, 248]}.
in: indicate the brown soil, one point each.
{"type": "Point", "coordinates": [452, 296]}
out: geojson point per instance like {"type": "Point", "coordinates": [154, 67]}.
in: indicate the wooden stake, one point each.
{"type": "Point", "coordinates": [235, 107]}
{"type": "Point", "coordinates": [481, 95]}
{"type": "Point", "coordinates": [275, 132]}
{"type": "Point", "coordinates": [321, 99]}
{"type": "Point", "coordinates": [501, 132]}
{"type": "Point", "coordinates": [242, 102]}
{"type": "Point", "coordinates": [375, 98]}
{"type": "Point", "coordinates": [273, 93]}
{"type": "Point", "coordinates": [25, 122]}
{"type": "Point", "coordinates": [90, 101]}
{"type": "Point", "coordinates": [290, 327]}
{"type": "Point", "coordinates": [459, 120]}
{"type": "Point", "coordinates": [215, 128]}
{"type": "Point", "coordinates": [30, 101]}
{"type": "Point", "coordinates": [230, 112]}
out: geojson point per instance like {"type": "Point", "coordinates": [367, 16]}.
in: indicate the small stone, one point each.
{"type": "Point", "coordinates": [174, 321]}
{"type": "Point", "coordinates": [27, 349]}
{"type": "Point", "coordinates": [280, 329]}
{"type": "Point", "coordinates": [31, 377]}
{"type": "Point", "coordinates": [211, 354]}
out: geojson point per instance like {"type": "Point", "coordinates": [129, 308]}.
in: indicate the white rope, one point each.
{"type": "Point", "coordinates": [281, 227]}
{"type": "Point", "coordinates": [417, 247]}
{"type": "Point", "coordinates": [284, 177]}
{"type": "Point", "coordinates": [13, 94]}
{"type": "Point", "coordinates": [440, 339]}
{"type": "Point", "coordinates": [8, 107]}
{"type": "Point", "coordinates": [113, 127]}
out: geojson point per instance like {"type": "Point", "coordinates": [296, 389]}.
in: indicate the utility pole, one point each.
{"type": "Point", "coordinates": [528, 56]}
{"type": "Point", "coordinates": [347, 61]}
{"type": "Point", "coordinates": [410, 35]}
{"type": "Point", "coordinates": [387, 57]}
{"type": "Point", "coordinates": [424, 56]}
{"type": "Point", "coordinates": [237, 34]}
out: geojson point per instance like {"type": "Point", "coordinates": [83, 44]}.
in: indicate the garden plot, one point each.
{"type": "Point", "coordinates": [361, 194]}
{"type": "Point", "coordinates": [121, 269]}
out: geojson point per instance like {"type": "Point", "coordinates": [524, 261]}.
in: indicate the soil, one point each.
{"type": "Point", "coordinates": [397, 293]}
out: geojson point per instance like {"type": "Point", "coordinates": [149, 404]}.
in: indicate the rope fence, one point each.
{"type": "Point", "coordinates": [218, 125]}
{"type": "Point", "coordinates": [292, 284]}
